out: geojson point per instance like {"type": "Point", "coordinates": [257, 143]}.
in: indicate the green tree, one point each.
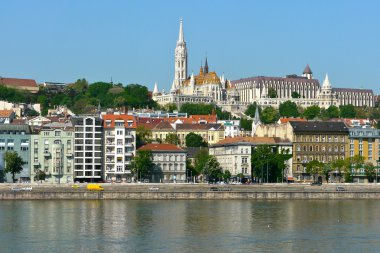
{"type": "Point", "coordinates": [326, 169]}
{"type": "Point", "coordinates": [40, 176]}
{"type": "Point", "coordinates": [13, 164]}
{"type": "Point", "coordinates": [272, 93]}
{"type": "Point", "coordinates": [143, 136]}
{"type": "Point", "coordinates": [353, 165]}
{"type": "Point", "coordinates": [251, 109]}
{"type": "Point", "coordinates": [312, 112]}
{"type": "Point", "coordinates": [246, 124]}
{"type": "Point", "coordinates": [361, 112]}
{"type": "Point", "coordinates": [201, 158]}
{"type": "Point", "coordinates": [194, 140]}
{"type": "Point", "coordinates": [347, 111]}
{"type": "Point", "coordinates": [295, 94]}
{"type": "Point", "coordinates": [338, 166]}
{"type": "Point", "coordinates": [172, 138]}
{"type": "Point", "coordinates": [260, 157]}
{"type": "Point", "coordinates": [212, 169]}
{"type": "Point", "coordinates": [369, 170]}
{"type": "Point", "coordinates": [227, 175]}
{"type": "Point", "coordinates": [269, 115]}
{"type": "Point", "coordinates": [332, 112]}
{"type": "Point", "coordinates": [288, 109]}
{"type": "Point", "coordinates": [142, 164]}
{"type": "Point", "coordinates": [170, 107]}
{"type": "Point", "coordinates": [314, 168]}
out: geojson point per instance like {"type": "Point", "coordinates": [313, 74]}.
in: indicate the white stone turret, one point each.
{"type": "Point", "coordinates": [192, 84]}
{"type": "Point", "coordinates": [180, 58]}
{"type": "Point", "coordinates": [256, 121]}
{"type": "Point", "coordinates": [155, 90]}
{"type": "Point", "coordinates": [326, 83]}
{"type": "Point", "coordinates": [264, 92]}
{"type": "Point", "coordinates": [173, 89]}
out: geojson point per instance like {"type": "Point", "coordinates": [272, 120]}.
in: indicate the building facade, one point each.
{"type": "Point", "coordinates": [322, 141]}
{"type": "Point", "coordinates": [234, 154]}
{"type": "Point", "coordinates": [88, 148]}
{"type": "Point", "coordinates": [364, 142]}
{"type": "Point", "coordinates": [119, 146]}
{"type": "Point", "coordinates": [169, 163]}
{"type": "Point", "coordinates": [52, 151]}
{"type": "Point", "coordinates": [15, 138]}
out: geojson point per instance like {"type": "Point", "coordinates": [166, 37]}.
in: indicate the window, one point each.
{"type": "Point", "coordinates": [119, 168]}
{"type": "Point", "coordinates": [298, 148]}
{"type": "Point", "coordinates": [46, 133]}
{"type": "Point", "coordinates": [57, 133]}
{"type": "Point", "coordinates": [119, 150]}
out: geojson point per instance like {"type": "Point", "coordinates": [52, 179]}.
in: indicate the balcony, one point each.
{"type": "Point", "coordinates": [129, 145]}
{"type": "Point", "coordinates": [37, 164]}
{"type": "Point", "coordinates": [46, 153]}
{"type": "Point", "coordinates": [129, 154]}
{"type": "Point", "coordinates": [110, 143]}
{"type": "Point", "coordinates": [69, 154]}
{"type": "Point", "coordinates": [128, 136]}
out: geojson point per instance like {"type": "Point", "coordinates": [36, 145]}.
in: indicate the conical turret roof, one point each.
{"type": "Point", "coordinates": [307, 70]}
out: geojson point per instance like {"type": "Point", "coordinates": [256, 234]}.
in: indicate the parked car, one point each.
{"type": "Point", "coordinates": [316, 183]}
{"type": "Point", "coordinates": [340, 189]}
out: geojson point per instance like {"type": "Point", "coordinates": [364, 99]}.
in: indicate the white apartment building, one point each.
{"type": "Point", "coordinates": [119, 146]}
{"type": "Point", "coordinates": [88, 148]}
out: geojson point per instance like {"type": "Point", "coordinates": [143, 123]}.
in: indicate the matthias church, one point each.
{"type": "Point", "coordinates": [235, 95]}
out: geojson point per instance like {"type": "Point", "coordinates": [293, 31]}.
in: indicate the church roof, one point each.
{"type": "Point", "coordinates": [307, 70]}
{"type": "Point", "coordinates": [352, 90]}
{"type": "Point", "coordinates": [204, 77]}
{"type": "Point", "coordinates": [264, 79]}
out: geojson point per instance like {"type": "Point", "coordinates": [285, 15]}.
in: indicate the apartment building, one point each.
{"type": "Point", "coordinates": [323, 141]}
{"type": "Point", "coordinates": [364, 141]}
{"type": "Point", "coordinates": [119, 146]}
{"type": "Point", "coordinates": [52, 151]}
{"type": "Point", "coordinates": [169, 163]}
{"type": "Point", "coordinates": [88, 148]}
{"type": "Point", "coordinates": [15, 138]}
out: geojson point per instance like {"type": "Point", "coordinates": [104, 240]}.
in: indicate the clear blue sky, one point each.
{"type": "Point", "coordinates": [134, 41]}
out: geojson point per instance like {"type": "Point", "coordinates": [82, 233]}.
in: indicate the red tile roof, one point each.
{"type": "Point", "coordinates": [148, 123]}
{"type": "Point", "coordinates": [160, 147]}
{"type": "Point", "coordinates": [164, 126]}
{"type": "Point", "coordinates": [258, 140]}
{"type": "Point", "coordinates": [286, 120]}
{"type": "Point", "coordinates": [18, 82]}
{"type": "Point", "coordinates": [6, 113]}
{"type": "Point", "coordinates": [115, 117]}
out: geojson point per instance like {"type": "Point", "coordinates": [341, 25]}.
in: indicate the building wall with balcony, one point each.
{"type": "Point", "coordinates": [119, 146]}
{"type": "Point", "coordinates": [88, 148]}
{"type": "Point", "coordinates": [52, 151]}
{"type": "Point", "coordinates": [364, 142]}
{"type": "Point", "coordinates": [15, 138]}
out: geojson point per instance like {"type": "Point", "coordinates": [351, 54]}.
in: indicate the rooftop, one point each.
{"type": "Point", "coordinates": [161, 147]}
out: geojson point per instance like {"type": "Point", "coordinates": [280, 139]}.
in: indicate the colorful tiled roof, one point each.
{"type": "Point", "coordinates": [110, 119]}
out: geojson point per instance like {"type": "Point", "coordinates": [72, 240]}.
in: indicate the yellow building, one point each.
{"type": "Point", "coordinates": [364, 142]}
{"type": "Point", "coordinates": [211, 133]}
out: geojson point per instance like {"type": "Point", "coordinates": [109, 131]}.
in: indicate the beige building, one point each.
{"type": "Point", "coordinates": [169, 162]}
{"type": "Point", "coordinates": [234, 154]}
{"type": "Point", "coordinates": [211, 133]}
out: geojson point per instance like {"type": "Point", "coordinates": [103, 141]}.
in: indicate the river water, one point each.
{"type": "Point", "coordinates": [190, 226]}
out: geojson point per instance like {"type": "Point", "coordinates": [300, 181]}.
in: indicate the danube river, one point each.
{"type": "Point", "coordinates": [190, 226]}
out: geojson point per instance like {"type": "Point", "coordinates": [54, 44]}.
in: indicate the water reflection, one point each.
{"type": "Point", "coordinates": [190, 226]}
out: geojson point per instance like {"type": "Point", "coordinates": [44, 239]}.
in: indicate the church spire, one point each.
{"type": "Point", "coordinates": [326, 83]}
{"type": "Point", "coordinates": [206, 67]}
{"type": "Point", "coordinates": [180, 36]}
{"type": "Point", "coordinates": [155, 90]}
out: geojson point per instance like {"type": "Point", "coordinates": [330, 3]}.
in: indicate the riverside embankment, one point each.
{"type": "Point", "coordinates": [190, 191]}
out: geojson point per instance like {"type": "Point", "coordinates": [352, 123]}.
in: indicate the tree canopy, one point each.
{"type": "Point", "coordinates": [195, 140]}
{"type": "Point", "coordinates": [288, 109]}
{"type": "Point", "coordinates": [251, 109]}
{"type": "Point", "coordinates": [13, 163]}
{"type": "Point", "coordinates": [269, 115]}
{"type": "Point", "coordinates": [347, 111]}
{"type": "Point", "coordinates": [272, 93]}
{"type": "Point", "coordinates": [142, 164]}
{"type": "Point", "coordinates": [312, 112]}
{"type": "Point", "coordinates": [172, 138]}
{"type": "Point", "coordinates": [201, 158]}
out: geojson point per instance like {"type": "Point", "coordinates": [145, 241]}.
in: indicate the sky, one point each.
{"type": "Point", "coordinates": [133, 41]}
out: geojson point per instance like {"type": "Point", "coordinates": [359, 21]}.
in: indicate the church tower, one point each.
{"type": "Point", "coordinates": [180, 59]}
